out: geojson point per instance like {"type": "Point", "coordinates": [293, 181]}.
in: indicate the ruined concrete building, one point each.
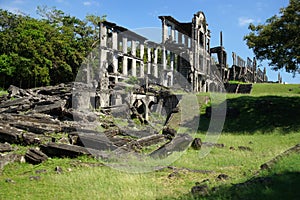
{"type": "Point", "coordinates": [246, 71]}
{"type": "Point", "coordinates": [185, 49]}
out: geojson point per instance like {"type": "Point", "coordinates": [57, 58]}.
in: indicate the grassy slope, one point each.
{"type": "Point", "coordinates": [2, 92]}
{"type": "Point", "coordinates": [82, 182]}
{"type": "Point", "coordinates": [271, 108]}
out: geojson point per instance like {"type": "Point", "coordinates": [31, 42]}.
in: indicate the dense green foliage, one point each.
{"type": "Point", "coordinates": [50, 50]}
{"type": "Point", "coordinates": [278, 39]}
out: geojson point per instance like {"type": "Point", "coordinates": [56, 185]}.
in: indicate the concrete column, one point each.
{"type": "Point", "coordinates": [164, 31]}
{"type": "Point", "coordinates": [103, 35]}
{"type": "Point", "coordinates": [115, 40]}
{"type": "Point", "coordinates": [125, 66]}
{"type": "Point", "coordinates": [172, 55]}
{"type": "Point", "coordinates": [173, 33]}
{"type": "Point", "coordinates": [142, 49]}
{"type": "Point", "coordinates": [142, 68]}
{"type": "Point", "coordinates": [155, 71]}
{"type": "Point", "coordinates": [133, 53]}
{"type": "Point", "coordinates": [179, 38]}
{"type": "Point", "coordinates": [146, 108]}
{"type": "Point", "coordinates": [186, 41]}
{"type": "Point", "coordinates": [133, 48]}
{"type": "Point", "coordinates": [115, 63]}
{"type": "Point", "coordinates": [124, 43]}
{"type": "Point", "coordinates": [164, 58]}
{"type": "Point", "coordinates": [103, 43]}
{"type": "Point", "coordinates": [149, 60]}
{"type": "Point", "coordinates": [133, 67]}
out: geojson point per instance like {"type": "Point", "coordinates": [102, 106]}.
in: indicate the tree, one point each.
{"type": "Point", "coordinates": [278, 40]}
{"type": "Point", "coordinates": [37, 52]}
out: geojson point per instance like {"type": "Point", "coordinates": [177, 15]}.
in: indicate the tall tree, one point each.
{"type": "Point", "coordinates": [278, 40]}
{"type": "Point", "coordinates": [36, 52]}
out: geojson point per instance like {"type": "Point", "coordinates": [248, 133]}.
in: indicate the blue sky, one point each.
{"type": "Point", "coordinates": [232, 17]}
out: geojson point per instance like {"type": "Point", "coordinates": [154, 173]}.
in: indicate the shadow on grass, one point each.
{"type": "Point", "coordinates": [263, 114]}
{"type": "Point", "coordinates": [276, 186]}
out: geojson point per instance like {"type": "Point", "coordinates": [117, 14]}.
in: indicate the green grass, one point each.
{"type": "Point", "coordinates": [3, 92]}
{"type": "Point", "coordinates": [271, 108]}
{"type": "Point", "coordinates": [275, 89]}
{"type": "Point", "coordinates": [281, 182]}
{"type": "Point", "coordinates": [79, 181]}
{"type": "Point", "coordinates": [268, 123]}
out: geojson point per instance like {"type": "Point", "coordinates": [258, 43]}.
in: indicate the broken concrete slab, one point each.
{"type": "Point", "coordinates": [179, 143]}
{"type": "Point", "coordinates": [5, 147]}
{"type": "Point", "coordinates": [35, 156]}
{"type": "Point", "coordinates": [63, 150]}
{"type": "Point", "coordinates": [9, 134]}
{"type": "Point", "coordinates": [10, 158]}
{"type": "Point", "coordinates": [96, 141]}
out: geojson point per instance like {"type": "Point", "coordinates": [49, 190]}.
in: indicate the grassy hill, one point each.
{"type": "Point", "coordinates": [270, 108]}
{"type": "Point", "coordinates": [275, 89]}
{"type": "Point", "coordinates": [267, 124]}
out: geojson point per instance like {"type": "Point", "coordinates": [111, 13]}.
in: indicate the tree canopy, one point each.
{"type": "Point", "coordinates": [50, 50]}
{"type": "Point", "coordinates": [278, 40]}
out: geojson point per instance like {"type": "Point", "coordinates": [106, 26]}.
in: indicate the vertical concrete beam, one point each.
{"type": "Point", "coordinates": [179, 38]}
{"type": "Point", "coordinates": [164, 57]}
{"type": "Point", "coordinates": [155, 71]}
{"type": "Point", "coordinates": [146, 102]}
{"type": "Point", "coordinates": [172, 58]}
{"type": "Point", "coordinates": [114, 40]}
{"type": "Point", "coordinates": [115, 63]}
{"type": "Point", "coordinates": [173, 33]}
{"type": "Point", "coordinates": [142, 49]}
{"type": "Point", "coordinates": [125, 65]}
{"type": "Point", "coordinates": [149, 60]}
{"type": "Point", "coordinates": [164, 31]}
{"type": "Point", "coordinates": [142, 67]}
{"type": "Point", "coordinates": [133, 53]}
{"type": "Point", "coordinates": [103, 35]}
{"type": "Point", "coordinates": [124, 44]}
{"type": "Point", "coordinates": [133, 48]}
{"type": "Point", "coordinates": [103, 56]}
{"type": "Point", "coordinates": [186, 41]}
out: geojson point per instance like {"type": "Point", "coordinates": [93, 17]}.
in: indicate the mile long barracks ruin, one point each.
{"type": "Point", "coordinates": [184, 49]}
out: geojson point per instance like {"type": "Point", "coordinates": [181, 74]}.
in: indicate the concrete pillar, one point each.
{"type": "Point", "coordinates": [164, 31]}
{"type": "Point", "coordinates": [173, 33]}
{"type": "Point", "coordinates": [103, 35]}
{"type": "Point", "coordinates": [103, 56]}
{"type": "Point", "coordinates": [172, 58]}
{"type": "Point", "coordinates": [115, 63]}
{"type": "Point", "coordinates": [125, 65]}
{"type": "Point", "coordinates": [115, 40]}
{"type": "Point", "coordinates": [186, 41]}
{"type": "Point", "coordinates": [149, 60]}
{"type": "Point", "coordinates": [179, 38]}
{"type": "Point", "coordinates": [124, 43]}
{"type": "Point", "coordinates": [142, 49]}
{"type": "Point", "coordinates": [133, 53]}
{"type": "Point", "coordinates": [133, 48]}
{"type": "Point", "coordinates": [164, 58]}
{"type": "Point", "coordinates": [147, 108]}
{"type": "Point", "coordinates": [142, 67]}
{"type": "Point", "coordinates": [155, 71]}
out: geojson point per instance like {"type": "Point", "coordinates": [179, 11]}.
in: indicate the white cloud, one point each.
{"type": "Point", "coordinates": [245, 21]}
{"type": "Point", "coordinates": [87, 3]}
